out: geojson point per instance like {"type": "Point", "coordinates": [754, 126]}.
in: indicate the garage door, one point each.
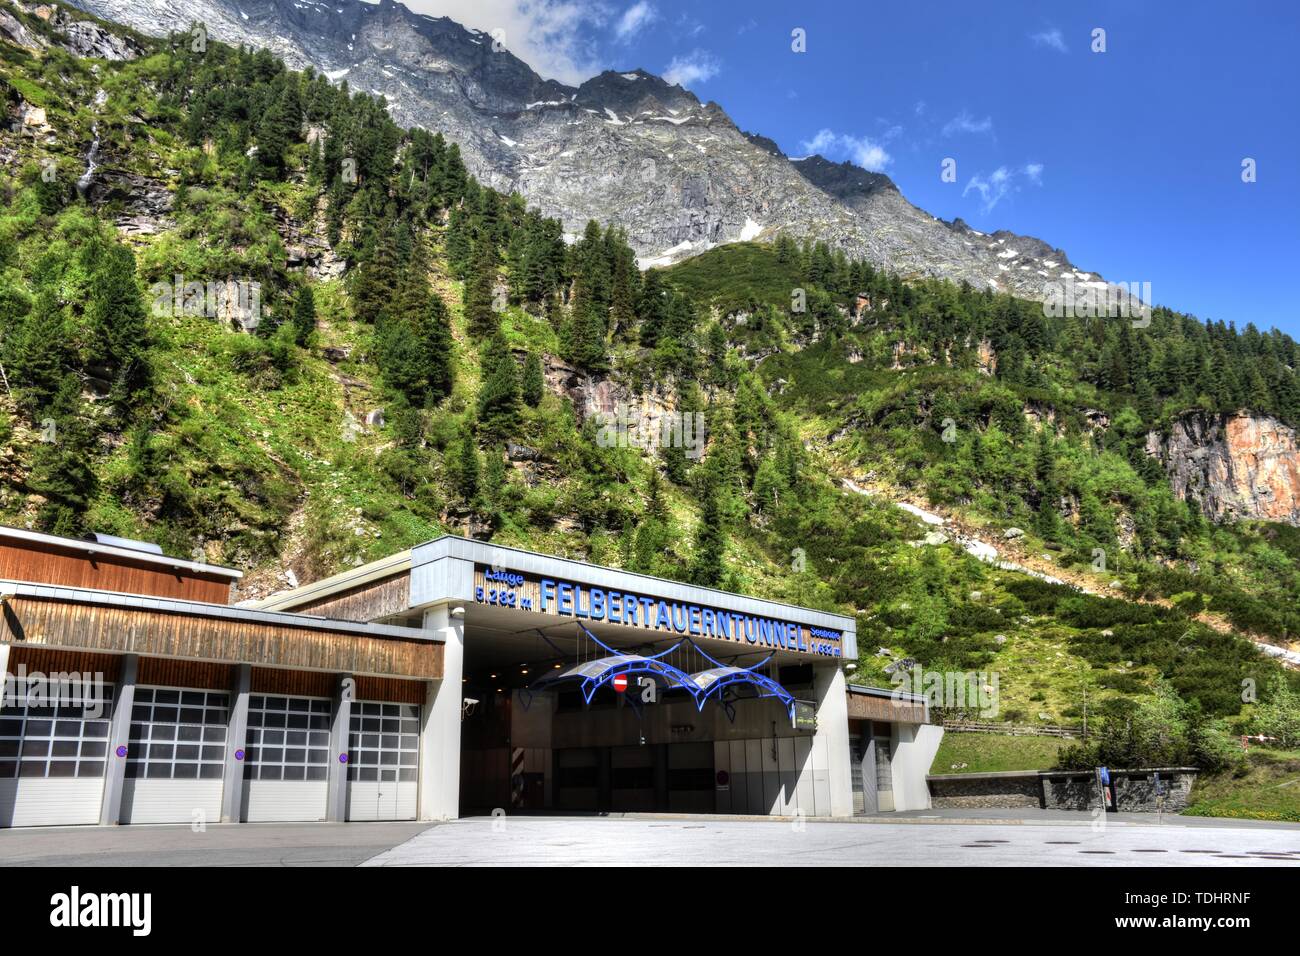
{"type": "Point", "coordinates": [632, 778]}
{"type": "Point", "coordinates": [286, 759]}
{"type": "Point", "coordinates": [176, 756]}
{"type": "Point", "coordinates": [52, 760]}
{"type": "Point", "coordinates": [383, 760]}
{"type": "Point", "coordinates": [690, 778]}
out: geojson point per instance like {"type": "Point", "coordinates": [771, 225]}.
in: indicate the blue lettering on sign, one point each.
{"type": "Point", "coordinates": [505, 577]}
{"type": "Point", "coordinates": [568, 599]}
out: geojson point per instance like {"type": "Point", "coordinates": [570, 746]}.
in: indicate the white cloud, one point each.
{"type": "Point", "coordinates": [1002, 182]}
{"type": "Point", "coordinates": [858, 149]}
{"type": "Point", "coordinates": [965, 123]}
{"type": "Point", "coordinates": [689, 26]}
{"type": "Point", "coordinates": [551, 36]}
{"type": "Point", "coordinates": [634, 19]}
{"type": "Point", "coordinates": [698, 66]}
{"type": "Point", "coordinates": [1050, 38]}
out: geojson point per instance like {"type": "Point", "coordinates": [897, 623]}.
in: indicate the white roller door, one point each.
{"type": "Point", "coordinates": [52, 759]}
{"type": "Point", "coordinates": [286, 759]}
{"type": "Point", "coordinates": [176, 756]}
{"type": "Point", "coordinates": [383, 761]}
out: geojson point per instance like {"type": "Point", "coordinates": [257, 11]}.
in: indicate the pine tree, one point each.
{"type": "Point", "coordinates": [119, 333]}
{"type": "Point", "coordinates": [376, 277]}
{"type": "Point", "coordinates": [304, 315]}
{"type": "Point", "coordinates": [494, 480]}
{"type": "Point", "coordinates": [37, 353]}
{"type": "Point", "coordinates": [534, 382]}
{"type": "Point", "coordinates": [62, 472]}
{"type": "Point", "coordinates": [498, 399]}
{"type": "Point", "coordinates": [467, 472]}
{"type": "Point", "coordinates": [710, 541]}
{"type": "Point", "coordinates": [587, 347]}
{"type": "Point", "coordinates": [623, 287]}
{"type": "Point", "coordinates": [436, 338]}
{"type": "Point", "coordinates": [651, 309]}
{"type": "Point", "coordinates": [480, 288]}
{"type": "Point", "coordinates": [460, 246]}
{"type": "Point", "coordinates": [278, 127]}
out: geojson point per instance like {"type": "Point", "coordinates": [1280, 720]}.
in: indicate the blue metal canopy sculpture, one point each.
{"type": "Point", "coordinates": [722, 681]}
{"type": "Point", "coordinates": [594, 674]}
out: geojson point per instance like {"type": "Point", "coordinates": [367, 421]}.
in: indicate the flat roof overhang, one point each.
{"type": "Point", "coordinates": [453, 570]}
{"type": "Point", "coordinates": [81, 619]}
{"type": "Point", "coordinates": [502, 637]}
{"type": "Point", "coordinates": [127, 555]}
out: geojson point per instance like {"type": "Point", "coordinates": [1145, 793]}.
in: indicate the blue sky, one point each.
{"type": "Point", "coordinates": [1129, 159]}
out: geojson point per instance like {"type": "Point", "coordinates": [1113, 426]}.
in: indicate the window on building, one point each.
{"type": "Point", "coordinates": [178, 734]}
{"type": "Point", "coordinates": [288, 738]}
{"type": "Point", "coordinates": [383, 742]}
{"type": "Point", "coordinates": [66, 736]}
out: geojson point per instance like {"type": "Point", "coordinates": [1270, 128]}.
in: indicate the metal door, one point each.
{"type": "Point", "coordinates": [383, 760]}
{"type": "Point", "coordinates": [866, 799]}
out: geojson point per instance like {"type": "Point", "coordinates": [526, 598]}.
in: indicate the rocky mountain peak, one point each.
{"type": "Point", "coordinates": [624, 147]}
{"type": "Point", "coordinates": [635, 92]}
{"type": "Point", "coordinates": [847, 182]}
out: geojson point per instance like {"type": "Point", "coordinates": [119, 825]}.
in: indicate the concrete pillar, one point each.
{"type": "Point", "coordinates": [830, 689]}
{"type": "Point", "coordinates": [119, 736]}
{"type": "Point", "coordinates": [232, 778]}
{"type": "Point", "coordinates": [440, 736]}
{"type": "Point", "coordinates": [336, 802]}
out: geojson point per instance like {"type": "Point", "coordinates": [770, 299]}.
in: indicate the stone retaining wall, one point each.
{"type": "Point", "coordinates": [1134, 790]}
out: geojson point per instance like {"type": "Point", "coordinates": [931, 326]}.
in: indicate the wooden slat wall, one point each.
{"type": "Point", "coordinates": [48, 623]}
{"type": "Point", "coordinates": [391, 690]}
{"type": "Point", "coordinates": [47, 565]}
{"type": "Point", "coordinates": [866, 706]}
{"type": "Point", "coordinates": [169, 672]}
{"type": "Point", "coordinates": [46, 661]}
{"type": "Point", "coordinates": [370, 602]}
{"type": "Point", "coordinates": [272, 680]}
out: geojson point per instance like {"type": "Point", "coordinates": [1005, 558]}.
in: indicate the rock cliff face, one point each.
{"type": "Point", "coordinates": [1237, 466]}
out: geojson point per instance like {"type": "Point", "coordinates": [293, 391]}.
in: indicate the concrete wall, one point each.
{"type": "Point", "coordinates": [912, 750]}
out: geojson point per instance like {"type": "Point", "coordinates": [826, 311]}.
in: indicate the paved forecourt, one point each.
{"type": "Point", "coordinates": [570, 841]}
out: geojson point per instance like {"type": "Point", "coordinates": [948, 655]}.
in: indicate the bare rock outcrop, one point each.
{"type": "Point", "coordinates": [1237, 466]}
